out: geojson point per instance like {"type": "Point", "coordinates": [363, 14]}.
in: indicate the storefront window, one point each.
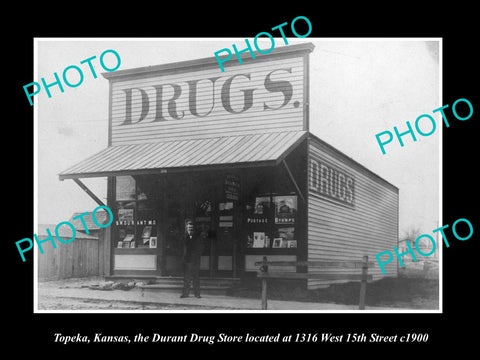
{"type": "Point", "coordinates": [271, 221]}
{"type": "Point", "coordinates": [125, 188]}
{"type": "Point", "coordinates": [285, 216]}
{"type": "Point", "coordinates": [136, 216]}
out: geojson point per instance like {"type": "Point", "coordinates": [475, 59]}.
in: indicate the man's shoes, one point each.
{"type": "Point", "coordinates": [198, 296]}
{"type": "Point", "coordinates": [183, 296]}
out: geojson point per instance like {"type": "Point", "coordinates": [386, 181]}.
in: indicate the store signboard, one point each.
{"type": "Point", "coordinates": [232, 187]}
{"type": "Point", "coordinates": [200, 101]}
{"type": "Point", "coordinates": [331, 182]}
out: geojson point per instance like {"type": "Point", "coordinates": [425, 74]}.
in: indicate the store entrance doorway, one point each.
{"type": "Point", "coordinates": [202, 197]}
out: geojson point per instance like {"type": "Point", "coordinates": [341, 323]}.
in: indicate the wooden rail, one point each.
{"type": "Point", "coordinates": [363, 277]}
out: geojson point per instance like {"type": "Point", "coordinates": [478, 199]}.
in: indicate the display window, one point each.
{"type": "Point", "coordinates": [270, 222]}
{"type": "Point", "coordinates": [136, 217]}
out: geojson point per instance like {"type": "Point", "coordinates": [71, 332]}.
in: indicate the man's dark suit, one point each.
{"type": "Point", "coordinates": [192, 251]}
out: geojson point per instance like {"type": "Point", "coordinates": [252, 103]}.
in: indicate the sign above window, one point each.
{"type": "Point", "coordinates": [195, 101]}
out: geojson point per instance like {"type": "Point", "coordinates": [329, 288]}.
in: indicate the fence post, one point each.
{"type": "Point", "coordinates": [363, 284]}
{"type": "Point", "coordinates": [264, 269]}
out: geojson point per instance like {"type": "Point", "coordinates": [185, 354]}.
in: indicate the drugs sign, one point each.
{"type": "Point", "coordinates": [329, 181]}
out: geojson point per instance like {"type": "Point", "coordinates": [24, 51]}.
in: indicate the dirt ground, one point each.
{"type": "Point", "coordinates": [402, 292]}
{"type": "Point", "coordinates": [50, 302]}
{"type": "Point", "coordinates": [56, 303]}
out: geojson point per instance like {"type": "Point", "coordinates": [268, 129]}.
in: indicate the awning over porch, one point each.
{"type": "Point", "coordinates": [162, 157]}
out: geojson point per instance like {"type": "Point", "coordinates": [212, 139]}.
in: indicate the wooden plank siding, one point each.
{"type": "Point", "coordinates": [266, 113]}
{"type": "Point", "coordinates": [80, 258]}
{"type": "Point", "coordinates": [339, 232]}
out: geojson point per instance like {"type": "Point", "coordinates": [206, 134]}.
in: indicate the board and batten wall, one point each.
{"type": "Point", "coordinates": [258, 96]}
{"type": "Point", "coordinates": [351, 212]}
{"type": "Point", "coordinates": [84, 257]}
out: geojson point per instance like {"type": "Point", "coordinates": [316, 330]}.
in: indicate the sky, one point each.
{"type": "Point", "coordinates": [358, 88]}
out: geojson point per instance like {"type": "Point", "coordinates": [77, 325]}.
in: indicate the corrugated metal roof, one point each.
{"type": "Point", "coordinates": [240, 149]}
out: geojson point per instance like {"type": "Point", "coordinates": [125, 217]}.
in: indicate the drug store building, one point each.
{"type": "Point", "coordinates": [231, 150]}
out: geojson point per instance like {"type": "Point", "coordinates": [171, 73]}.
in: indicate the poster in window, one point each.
{"type": "Point", "coordinates": [291, 244]}
{"type": "Point", "coordinates": [232, 187]}
{"type": "Point", "coordinates": [262, 205]}
{"type": "Point", "coordinates": [249, 241]}
{"type": "Point", "coordinates": [286, 233]}
{"type": "Point", "coordinates": [153, 242]}
{"type": "Point", "coordinates": [128, 238]}
{"type": "Point", "coordinates": [285, 209]}
{"type": "Point", "coordinates": [259, 239]}
{"type": "Point", "coordinates": [125, 216]}
{"type": "Point", "coordinates": [203, 208]}
{"type": "Point", "coordinates": [147, 230]}
{"type": "Point", "coordinates": [277, 242]}
{"type": "Point", "coordinates": [125, 188]}
{"type": "Point", "coordinates": [225, 206]}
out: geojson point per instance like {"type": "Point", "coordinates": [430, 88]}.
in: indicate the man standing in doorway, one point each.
{"type": "Point", "coordinates": [192, 250]}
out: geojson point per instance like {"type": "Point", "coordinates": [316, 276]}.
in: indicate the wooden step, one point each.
{"type": "Point", "coordinates": [124, 278]}
{"type": "Point", "coordinates": [177, 287]}
{"type": "Point", "coordinates": [180, 286]}
{"type": "Point", "coordinates": [175, 281]}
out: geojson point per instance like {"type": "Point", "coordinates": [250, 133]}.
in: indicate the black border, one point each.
{"type": "Point", "coordinates": [456, 26]}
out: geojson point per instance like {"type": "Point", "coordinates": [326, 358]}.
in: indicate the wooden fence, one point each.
{"type": "Point", "coordinates": [83, 257]}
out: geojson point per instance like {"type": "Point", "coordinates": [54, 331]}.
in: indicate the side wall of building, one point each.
{"type": "Point", "coordinates": [351, 211]}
